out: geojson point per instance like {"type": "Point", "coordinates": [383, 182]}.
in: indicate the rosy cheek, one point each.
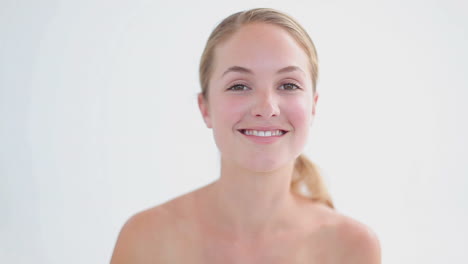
{"type": "Point", "coordinates": [237, 105]}
{"type": "Point", "coordinates": [298, 111]}
{"type": "Point", "coordinates": [231, 109]}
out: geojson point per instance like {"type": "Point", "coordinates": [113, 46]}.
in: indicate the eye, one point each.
{"type": "Point", "coordinates": [286, 86]}
{"type": "Point", "coordinates": [290, 87]}
{"type": "Point", "coordinates": [238, 87]}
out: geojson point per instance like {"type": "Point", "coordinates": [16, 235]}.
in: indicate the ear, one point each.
{"type": "Point", "coordinates": [203, 106]}
{"type": "Point", "coordinates": [315, 103]}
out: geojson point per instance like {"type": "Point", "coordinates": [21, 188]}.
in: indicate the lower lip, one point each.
{"type": "Point", "coordinates": [262, 140]}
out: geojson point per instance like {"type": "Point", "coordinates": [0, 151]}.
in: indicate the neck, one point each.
{"type": "Point", "coordinates": [247, 203]}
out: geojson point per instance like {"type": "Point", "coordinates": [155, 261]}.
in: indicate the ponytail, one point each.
{"type": "Point", "coordinates": [306, 174]}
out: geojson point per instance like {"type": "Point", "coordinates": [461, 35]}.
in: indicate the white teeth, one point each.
{"type": "Point", "coordinates": [263, 133]}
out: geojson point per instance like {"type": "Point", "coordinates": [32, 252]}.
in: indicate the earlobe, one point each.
{"type": "Point", "coordinates": [203, 106]}
{"type": "Point", "coordinates": [315, 103]}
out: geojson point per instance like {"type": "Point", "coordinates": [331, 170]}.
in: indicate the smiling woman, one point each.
{"type": "Point", "coordinates": [258, 75]}
{"type": "Point", "coordinates": [302, 51]}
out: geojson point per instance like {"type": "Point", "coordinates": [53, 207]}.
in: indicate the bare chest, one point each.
{"type": "Point", "coordinates": [193, 241]}
{"type": "Point", "coordinates": [291, 250]}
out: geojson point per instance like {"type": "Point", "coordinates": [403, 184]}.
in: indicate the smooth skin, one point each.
{"type": "Point", "coordinates": [249, 215]}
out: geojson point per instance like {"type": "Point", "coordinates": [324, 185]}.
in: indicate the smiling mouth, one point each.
{"type": "Point", "coordinates": [261, 133]}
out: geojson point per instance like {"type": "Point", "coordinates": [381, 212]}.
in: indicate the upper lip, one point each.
{"type": "Point", "coordinates": [263, 128]}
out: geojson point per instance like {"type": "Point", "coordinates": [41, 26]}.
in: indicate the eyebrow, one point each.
{"type": "Point", "coordinates": [245, 70]}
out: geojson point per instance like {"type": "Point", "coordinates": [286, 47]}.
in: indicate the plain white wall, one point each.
{"type": "Point", "coordinates": [98, 119]}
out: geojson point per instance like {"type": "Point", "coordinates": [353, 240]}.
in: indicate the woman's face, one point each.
{"type": "Point", "coordinates": [260, 84]}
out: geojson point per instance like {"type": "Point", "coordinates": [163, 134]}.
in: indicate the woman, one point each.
{"type": "Point", "coordinates": [258, 75]}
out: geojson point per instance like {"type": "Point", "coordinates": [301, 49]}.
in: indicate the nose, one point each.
{"type": "Point", "coordinates": [265, 105]}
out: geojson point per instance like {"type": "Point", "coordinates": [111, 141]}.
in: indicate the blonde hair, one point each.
{"type": "Point", "coordinates": [305, 172]}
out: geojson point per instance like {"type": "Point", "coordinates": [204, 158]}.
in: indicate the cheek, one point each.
{"type": "Point", "coordinates": [225, 115]}
{"type": "Point", "coordinates": [299, 112]}
{"type": "Point", "coordinates": [229, 111]}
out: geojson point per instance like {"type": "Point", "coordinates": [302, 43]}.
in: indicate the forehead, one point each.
{"type": "Point", "coordinates": [261, 47]}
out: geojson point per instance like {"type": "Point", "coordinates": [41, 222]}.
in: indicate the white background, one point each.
{"type": "Point", "coordinates": [98, 119]}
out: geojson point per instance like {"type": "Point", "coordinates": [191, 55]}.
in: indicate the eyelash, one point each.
{"type": "Point", "coordinates": [297, 86]}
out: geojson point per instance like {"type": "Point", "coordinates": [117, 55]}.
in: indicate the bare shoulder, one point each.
{"type": "Point", "coordinates": [353, 241]}
{"type": "Point", "coordinates": [155, 234]}
{"type": "Point", "coordinates": [144, 236]}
